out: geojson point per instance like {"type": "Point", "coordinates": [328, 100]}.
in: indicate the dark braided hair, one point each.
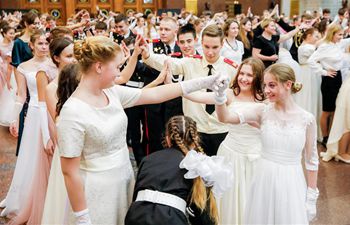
{"type": "Point", "coordinates": [68, 81]}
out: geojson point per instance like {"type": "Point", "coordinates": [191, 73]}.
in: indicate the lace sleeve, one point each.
{"type": "Point", "coordinates": [310, 148]}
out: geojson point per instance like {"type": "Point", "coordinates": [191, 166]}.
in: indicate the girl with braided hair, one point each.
{"type": "Point", "coordinates": [161, 191]}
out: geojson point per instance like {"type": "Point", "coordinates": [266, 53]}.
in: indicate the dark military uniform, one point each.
{"type": "Point", "coordinates": [296, 39]}
{"type": "Point", "coordinates": [136, 114]}
{"type": "Point", "coordinates": [119, 38]}
{"type": "Point", "coordinates": [157, 115]}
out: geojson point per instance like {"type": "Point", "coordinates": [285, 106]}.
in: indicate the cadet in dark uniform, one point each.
{"type": "Point", "coordinates": [122, 29]}
{"type": "Point", "coordinates": [154, 114]}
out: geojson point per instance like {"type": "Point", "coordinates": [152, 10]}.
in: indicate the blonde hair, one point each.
{"type": "Point", "coordinates": [265, 23]}
{"type": "Point", "coordinates": [95, 49]}
{"type": "Point", "coordinates": [182, 134]}
{"type": "Point", "coordinates": [331, 31]}
{"type": "Point", "coordinates": [213, 31]}
{"type": "Point", "coordinates": [283, 73]}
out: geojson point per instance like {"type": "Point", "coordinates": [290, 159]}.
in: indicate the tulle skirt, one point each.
{"type": "Point", "coordinates": [277, 195]}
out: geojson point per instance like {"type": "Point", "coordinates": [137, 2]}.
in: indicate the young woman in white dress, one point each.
{"type": "Point", "coordinates": [7, 86]}
{"type": "Point", "coordinates": [327, 61]}
{"type": "Point", "coordinates": [232, 48]}
{"type": "Point", "coordinates": [310, 96]}
{"type": "Point", "coordinates": [23, 187]}
{"type": "Point", "coordinates": [91, 131]}
{"type": "Point", "coordinates": [278, 193]}
{"type": "Point", "coordinates": [242, 144]}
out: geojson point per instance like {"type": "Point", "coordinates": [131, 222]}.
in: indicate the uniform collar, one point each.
{"type": "Point", "coordinates": [215, 65]}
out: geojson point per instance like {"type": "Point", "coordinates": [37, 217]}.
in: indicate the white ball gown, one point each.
{"type": "Point", "coordinates": [278, 191]}
{"type": "Point", "coordinates": [241, 148]}
{"type": "Point", "coordinates": [97, 135]}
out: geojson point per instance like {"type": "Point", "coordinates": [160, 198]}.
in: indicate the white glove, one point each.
{"type": "Point", "coordinates": [82, 217]}
{"type": "Point", "coordinates": [311, 199]}
{"type": "Point", "coordinates": [207, 82]}
{"type": "Point", "coordinates": [220, 87]}
{"type": "Point", "coordinates": [44, 123]}
{"type": "Point", "coordinates": [16, 111]}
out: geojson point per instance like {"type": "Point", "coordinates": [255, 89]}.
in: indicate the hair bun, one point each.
{"type": "Point", "coordinates": [78, 50]}
{"type": "Point", "coordinates": [296, 87]}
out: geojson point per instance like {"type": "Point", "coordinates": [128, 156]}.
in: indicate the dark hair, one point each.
{"type": "Point", "coordinates": [101, 25]}
{"type": "Point", "coordinates": [188, 28]}
{"type": "Point", "coordinates": [308, 32]}
{"type": "Point", "coordinates": [129, 40]}
{"type": "Point", "coordinates": [242, 36]}
{"type": "Point", "coordinates": [342, 11]}
{"type": "Point", "coordinates": [68, 81]}
{"type": "Point", "coordinates": [120, 17]}
{"type": "Point", "coordinates": [5, 29]}
{"type": "Point", "coordinates": [182, 134]}
{"type": "Point", "coordinates": [48, 18]}
{"type": "Point", "coordinates": [3, 23]}
{"type": "Point", "coordinates": [326, 11]}
{"type": "Point", "coordinates": [57, 46]}
{"type": "Point", "coordinates": [258, 71]}
{"type": "Point", "coordinates": [28, 18]}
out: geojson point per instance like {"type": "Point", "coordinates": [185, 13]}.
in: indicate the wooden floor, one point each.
{"type": "Point", "coordinates": [333, 206]}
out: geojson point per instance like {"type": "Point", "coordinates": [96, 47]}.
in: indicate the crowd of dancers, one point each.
{"type": "Point", "coordinates": [218, 113]}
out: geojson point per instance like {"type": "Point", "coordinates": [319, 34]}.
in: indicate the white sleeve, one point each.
{"type": "Point", "coordinates": [126, 95]}
{"type": "Point", "coordinates": [315, 58]}
{"type": "Point", "coordinates": [44, 123]}
{"type": "Point", "coordinates": [310, 148]}
{"type": "Point", "coordinates": [70, 133]}
{"type": "Point", "coordinates": [157, 61]}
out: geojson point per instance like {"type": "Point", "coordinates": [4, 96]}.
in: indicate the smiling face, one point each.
{"type": "Point", "coordinates": [186, 43]}
{"type": "Point", "coordinates": [338, 36]}
{"type": "Point", "coordinates": [232, 31]}
{"type": "Point", "coordinates": [274, 90]}
{"type": "Point", "coordinates": [271, 28]}
{"type": "Point", "coordinates": [245, 78]}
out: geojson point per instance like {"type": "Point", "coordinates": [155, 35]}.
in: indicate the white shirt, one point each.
{"type": "Point", "coordinates": [328, 56]}
{"type": "Point", "coordinates": [233, 53]}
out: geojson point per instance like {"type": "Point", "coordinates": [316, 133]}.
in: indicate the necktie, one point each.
{"type": "Point", "coordinates": [209, 108]}
{"type": "Point", "coordinates": [168, 49]}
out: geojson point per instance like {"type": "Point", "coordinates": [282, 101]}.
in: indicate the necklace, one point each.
{"type": "Point", "coordinates": [234, 49]}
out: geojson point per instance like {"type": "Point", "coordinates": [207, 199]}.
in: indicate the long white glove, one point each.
{"type": "Point", "coordinates": [83, 217]}
{"type": "Point", "coordinates": [311, 199]}
{"type": "Point", "coordinates": [44, 123]}
{"type": "Point", "coordinates": [220, 93]}
{"type": "Point", "coordinates": [207, 82]}
{"type": "Point", "coordinates": [16, 111]}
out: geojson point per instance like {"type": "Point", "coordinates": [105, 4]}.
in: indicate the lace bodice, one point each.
{"type": "Point", "coordinates": [30, 76]}
{"type": "Point", "coordinates": [90, 132]}
{"type": "Point", "coordinates": [284, 140]}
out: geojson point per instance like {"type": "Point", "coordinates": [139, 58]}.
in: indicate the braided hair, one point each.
{"type": "Point", "coordinates": [182, 134]}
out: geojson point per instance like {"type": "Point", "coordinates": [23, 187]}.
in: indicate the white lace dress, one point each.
{"type": "Point", "coordinates": [98, 136]}
{"type": "Point", "coordinates": [278, 191]}
{"type": "Point", "coordinates": [241, 148]}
